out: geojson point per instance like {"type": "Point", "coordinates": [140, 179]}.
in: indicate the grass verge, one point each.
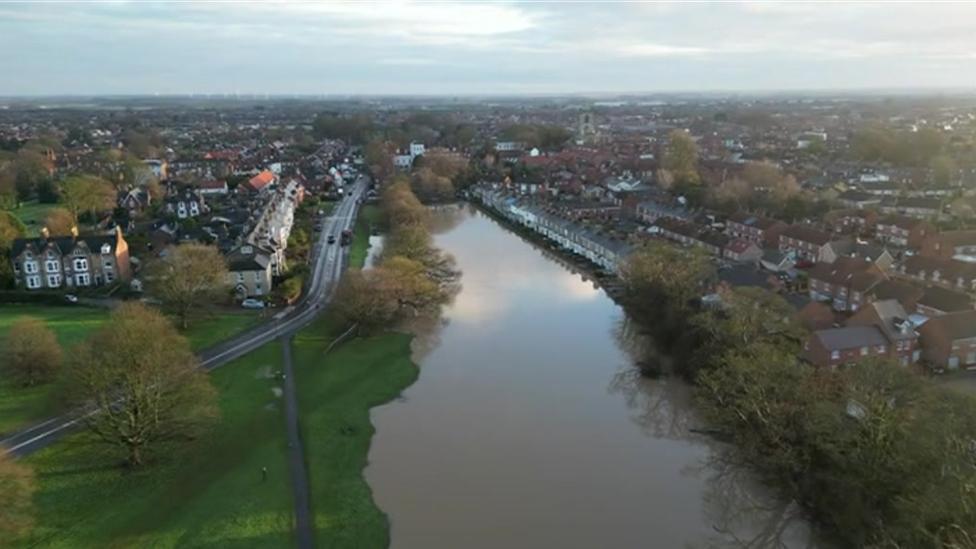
{"type": "Point", "coordinates": [32, 214]}
{"type": "Point", "coordinates": [208, 493]}
{"type": "Point", "coordinates": [336, 392]}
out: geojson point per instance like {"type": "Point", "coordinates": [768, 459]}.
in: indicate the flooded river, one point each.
{"type": "Point", "coordinates": [528, 426]}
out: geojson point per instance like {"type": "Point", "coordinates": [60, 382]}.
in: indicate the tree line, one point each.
{"type": "Point", "coordinates": [412, 277]}
{"type": "Point", "coordinates": [878, 455]}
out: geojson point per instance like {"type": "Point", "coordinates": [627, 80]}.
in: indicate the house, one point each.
{"type": "Point", "coordinates": [260, 182]}
{"type": "Point", "coordinates": [69, 261]}
{"type": "Point", "coordinates": [249, 271]}
{"type": "Point", "coordinates": [845, 283]}
{"type": "Point", "coordinates": [949, 273]}
{"type": "Point", "coordinates": [852, 221]}
{"type": "Point", "coordinates": [853, 248]}
{"type": "Point", "coordinates": [777, 262]}
{"type": "Point", "coordinates": [903, 231]}
{"type": "Point", "coordinates": [893, 321]}
{"type": "Point", "coordinates": [858, 199]}
{"type": "Point", "coordinates": [186, 204]}
{"type": "Point", "coordinates": [949, 341]}
{"type": "Point", "coordinates": [816, 316]}
{"type": "Point", "coordinates": [650, 211]}
{"type": "Point", "coordinates": [919, 207]}
{"type": "Point", "coordinates": [835, 347]}
{"type": "Point", "coordinates": [937, 301]}
{"type": "Point", "coordinates": [903, 292]}
{"type": "Point", "coordinates": [742, 250]}
{"type": "Point", "coordinates": [761, 230]}
{"type": "Point", "coordinates": [951, 244]}
{"type": "Point", "coordinates": [807, 242]}
{"type": "Point", "coordinates": [135, 201]}
{"type": "Point", "coordinates": [210, 187]}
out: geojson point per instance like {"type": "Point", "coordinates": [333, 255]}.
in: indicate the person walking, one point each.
{"type": "Point", "coordinates": [264, 474]}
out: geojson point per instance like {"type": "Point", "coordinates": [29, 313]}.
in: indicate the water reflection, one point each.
{"type": "Point", "coordinates": [530, 425]}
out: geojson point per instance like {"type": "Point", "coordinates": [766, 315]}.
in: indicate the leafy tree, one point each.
{"type": "Point", "coordinates": [189, 278]}
{"type": "Point", "coordinates": [16, 498]}
{"type": "Point", "coordinates": [361, 300]}
{"type": "Point", "coordinates": [762, 185]}
{"type": "Point", "coordinates": [59, 222]}
{"type": "Point", "coordinates": [32, 351]}
{"type": "Point", "coordinates": [141, 384]}
{"type": "Point", "coordinates": [681, 158]}
{"type": "Point", "coordinates": [11, 228]}
{"type": "Point", "coordinates": [32, 167]}
{"type": "Point", "coordinates": [87, 193]}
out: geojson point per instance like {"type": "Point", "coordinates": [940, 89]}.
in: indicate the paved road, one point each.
{"type": "Point", "coordinates": [328, 261]}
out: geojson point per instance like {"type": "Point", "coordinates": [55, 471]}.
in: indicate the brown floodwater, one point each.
{"type": "Point", "coordinates": [529, 427]}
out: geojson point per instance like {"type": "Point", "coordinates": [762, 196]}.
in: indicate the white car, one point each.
{"type": "Point", "coordinates": [71, 298]}
{"type": "Point", "coordinates": [250, 303]}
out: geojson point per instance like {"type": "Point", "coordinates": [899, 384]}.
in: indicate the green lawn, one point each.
{"type": "Point", "coordinates": [20, 407]}
{"type": "Point", "coordinates": [209, 493]}
{"type": "Point", "coordinates": [32, 214]}
{"type": "Point", "coordinates": [335, 393]}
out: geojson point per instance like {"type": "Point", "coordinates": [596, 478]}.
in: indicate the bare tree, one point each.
{"type": "Point", "coordinates": [140, 383]}
{"type": "Point", "coordinates": [190, 277]}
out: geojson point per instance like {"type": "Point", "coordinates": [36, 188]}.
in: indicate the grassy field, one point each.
{"type": "Point", "coordinates": [369, 216]}
{"type": "Point", "coordinates": [335, 393]}
{"type": "Point", "coordinates": [209, 493]}
{"type": "Point", "coordinates": [20, 407]}
{"type": "Point", "coordinates": [32, 214]}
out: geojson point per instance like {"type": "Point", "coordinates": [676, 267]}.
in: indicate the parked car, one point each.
{"type": "Point", "coordinates": [251, 303]}
{"type": "Point", "coordinates": [71, 298]}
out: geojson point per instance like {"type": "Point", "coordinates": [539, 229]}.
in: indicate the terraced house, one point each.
{"type": "Point", "coordinates": [70, 261]}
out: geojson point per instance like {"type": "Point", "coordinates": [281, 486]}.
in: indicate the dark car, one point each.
{"type": "Point", "coordinates": [331, 239]}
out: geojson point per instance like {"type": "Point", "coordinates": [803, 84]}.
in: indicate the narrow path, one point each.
{"type": "Point", "coordinates": [304, 528]}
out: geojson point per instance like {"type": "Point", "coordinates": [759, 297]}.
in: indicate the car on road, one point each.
{"type": "Point", "coordinates": [71, 298]}
{"type": "Point", "coordinates": [331, 239]}
{"type": "Point", "coordinates": [251, 303]}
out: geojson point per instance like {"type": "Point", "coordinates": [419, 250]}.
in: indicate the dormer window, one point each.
{"type": "Point", "coordinates": [106, 249]}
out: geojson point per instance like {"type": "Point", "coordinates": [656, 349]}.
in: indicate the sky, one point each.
{"type": "Point", "coordinates": [481, 48]}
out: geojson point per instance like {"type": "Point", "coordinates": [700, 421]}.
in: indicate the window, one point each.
{"type": "Point", "coordinates": [257, 276]}
{"type": "Point", "coordinates": [109, 277]}
{"type": "Point", "coordinates": [52, 266]}
{"type": "Point", "coordinates": [82, 279]}
{"type": "Point", "coordinates": [33, 282]}
{"type": "Point", "coordinates": [53, 281]}
{"type": "Point", "coordinates": [881, 349]}
{"type": "Point", "coordinates": [30, 267]}
{"type": "Point", "coordinates": [80, 264]}
{"type": "Point", "coordinates": [16, 268]}
{"type": "Point", "coordinates": [106, 249]}
{"type": "Point", "coordinates": [864, 351]}
{"type": "Point", "coordinates": [240, 277]}
{"type": "Point", "coordinates": [107, 265]}
{"type": "Point", "coordinates": [834, 355]}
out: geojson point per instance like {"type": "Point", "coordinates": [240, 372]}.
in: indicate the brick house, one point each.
{"type": "Point", "coordinates": [937, 301]}
{"type": "Point", "coordinates": [902, 231]}
{"type": "Point", "coordinates": [835, 347]}
{"type": "Point", "coordinates": [807, 242]}
{"type": "Point", "coordinates": [950, 244]}
{"type": "Point", "coordinates": [948, 273]}
{"type": "Point", "coordinates": [742, 250]}
{"type": "Point", "coordinates": [892, 319]}
{"type": "Point", "coordinates": [845, 283]}
{"type": "Point", "coordinates": [761, 230]}
{"type": "Point", "coordinates": [949, 341]}
{"type": "Point", "coordinates": [70, 261]}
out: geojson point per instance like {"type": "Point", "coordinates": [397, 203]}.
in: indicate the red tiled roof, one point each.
{"type": "Point", "coordinates": [261, 180]}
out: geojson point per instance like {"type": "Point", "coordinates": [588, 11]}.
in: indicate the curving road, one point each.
{"type": "Point", "coordinates": [328, 262]}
